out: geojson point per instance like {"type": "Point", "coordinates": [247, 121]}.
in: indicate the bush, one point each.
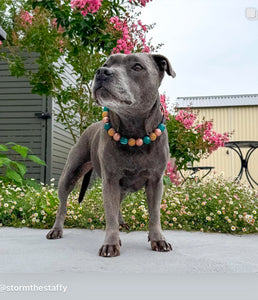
{"type": "Point", "coordinates": [215, 205]}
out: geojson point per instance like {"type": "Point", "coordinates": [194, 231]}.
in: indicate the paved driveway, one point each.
{"type": "Point", "coordinates": [28, 251]}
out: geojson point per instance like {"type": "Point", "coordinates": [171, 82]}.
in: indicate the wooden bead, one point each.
{"type": "Point", "coordinates": [105, 114]}
{"type": "Point", "coordinates": [131, 142]}
{"type": "Point", "coordinates": [153, 136]}
{"type": "Point", "coordinates": [139, 142]}
{"type": "Point", "coordinates": [105, 120]}
{"type": "Point", "coordinates": [111, 132]}
{"type": "Point", "coordinates": [157, 132]}
{"type": "Point", "coordinates": [116, 137]}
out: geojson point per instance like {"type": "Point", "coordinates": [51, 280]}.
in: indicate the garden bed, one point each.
{"type": "Point", "coordinates": [215, 205]}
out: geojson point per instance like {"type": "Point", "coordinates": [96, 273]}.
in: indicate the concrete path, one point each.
{"type": "Point", "coordinates": [26, 250]}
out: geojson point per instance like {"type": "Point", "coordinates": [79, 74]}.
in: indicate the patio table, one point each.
{"type": "Point", "coordinates": [251, 146]}
{"type": "Point", "coordinates": [194, 170]}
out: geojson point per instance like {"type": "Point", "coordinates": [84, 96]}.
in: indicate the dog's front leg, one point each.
{"type": "Point", "coordinates": [111, 199]}
{"type": "Point", "coordinates": [154, 190]}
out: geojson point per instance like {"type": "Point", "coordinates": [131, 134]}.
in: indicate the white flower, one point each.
{"type": "Point", "coordinates": [23, 221]}
{"type": "Point", "coordinates": [219, 212]}
{"type": "Point", "coordinates": [20, 209]}
{"type": "Point", "coordinates": [33, 220]}
{"type": "Point", "coordinates": [6, 205]}
{"type": "Point", "coordinates": [174, 219]}
{"type": "Point", "coordinates": [233, 228]}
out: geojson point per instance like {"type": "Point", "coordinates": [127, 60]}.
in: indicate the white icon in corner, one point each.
{"type": "Point", "coordinates": [251, 13]}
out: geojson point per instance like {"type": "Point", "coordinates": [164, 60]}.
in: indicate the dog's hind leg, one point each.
{"type": "Point", "coordinates": [78, 164]}
{"type": "Point", "coordinates": [121, 221]}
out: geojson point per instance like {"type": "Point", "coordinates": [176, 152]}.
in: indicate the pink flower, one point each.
{"type": "Point", "coordinates": [132, 36]}
{"type": "Point", "coordinates": [172, 173]}
{"type": "Point", "coordinates": [164, 106]}
{"type": "Point", "coordinates": [86, 6]}
{"type": "Point", "coordinates": [0, 43]}
{"type": "Point", "coordinates": [26, 18]}
{"type": "Point", "coordinates": [187, 119]}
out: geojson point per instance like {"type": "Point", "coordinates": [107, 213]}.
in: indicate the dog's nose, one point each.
{"type": "Point", "coordinates": [104, 73]}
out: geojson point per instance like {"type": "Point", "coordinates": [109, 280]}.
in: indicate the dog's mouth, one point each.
{"type": "Point", "coordinates": [102, 94]}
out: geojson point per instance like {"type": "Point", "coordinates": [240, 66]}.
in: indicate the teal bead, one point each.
{"type": "Point", "coordinates": [123, 141]}
{"type": "Point", "coordinates": [105, 108]}
{"type": "Point", "coordinates": [107, 126]}
{"type": "Point", "coordinates": [162, 127]}
{"type": "Point", "coordinates": [146, 140]}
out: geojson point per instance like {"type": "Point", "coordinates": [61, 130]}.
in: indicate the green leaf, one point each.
{"type": "Point", "coordinates": [11, 174]}
{"type": "Point", "coordinates": [36, 159]}
{"type": "Point", "coordinates": [4, 160]}
{"type": "Point", "coordinates": [3, 148]}
{"type": "Point", "coordinates": [22, 150]}
{"type": "Point", "coordinates": [20, 167]}
{"type": "Point", "coordinates": [166, 180]}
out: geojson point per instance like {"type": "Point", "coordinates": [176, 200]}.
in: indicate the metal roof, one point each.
{"type": "Point", "coordinates": [217, 101]}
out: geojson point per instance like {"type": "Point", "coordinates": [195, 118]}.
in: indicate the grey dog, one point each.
{"type": "Point", "coordinates": [128, 86]}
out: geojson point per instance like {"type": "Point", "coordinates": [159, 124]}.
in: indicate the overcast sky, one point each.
{"type": "Point", "coordinates": [211, 45]}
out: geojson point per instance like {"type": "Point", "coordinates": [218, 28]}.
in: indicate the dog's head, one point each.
{"type": "Point", "coordinates": [129, 83]}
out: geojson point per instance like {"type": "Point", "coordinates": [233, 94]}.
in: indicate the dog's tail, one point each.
{"type": "Point", "coordinates": [85, 183]}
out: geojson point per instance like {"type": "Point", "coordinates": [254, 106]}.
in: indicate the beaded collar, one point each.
{"type": "Point", "coordinates": [147, 139]}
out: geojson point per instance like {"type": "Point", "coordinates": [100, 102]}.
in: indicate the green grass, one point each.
{"type": "Point", "coordinates": [216, 205]}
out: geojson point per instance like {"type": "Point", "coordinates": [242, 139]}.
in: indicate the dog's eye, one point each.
{"type": "Point", "coordinates": [137, 67]}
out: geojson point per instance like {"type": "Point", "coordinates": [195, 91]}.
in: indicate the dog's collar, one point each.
{"type": "Point", "coordinates": [147, 139]}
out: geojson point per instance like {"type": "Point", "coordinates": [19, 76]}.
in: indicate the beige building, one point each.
{"type": "Point", "coordinates": [230, 113]}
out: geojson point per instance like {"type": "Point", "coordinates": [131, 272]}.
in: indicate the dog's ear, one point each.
{"type": "Point", "coordinates": [163, 65]}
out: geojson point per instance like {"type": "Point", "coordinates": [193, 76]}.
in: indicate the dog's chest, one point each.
{"type": "Point", "coordinates": [132, 168]}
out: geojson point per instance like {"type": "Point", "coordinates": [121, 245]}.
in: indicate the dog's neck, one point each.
{"type": "Point", "coordinates": [137, 126]}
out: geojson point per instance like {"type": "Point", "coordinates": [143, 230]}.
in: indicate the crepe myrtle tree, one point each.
{"type": "Point", "coordinates": [190, 139]}
{"type": "Point", "coordinates": [81, 33]}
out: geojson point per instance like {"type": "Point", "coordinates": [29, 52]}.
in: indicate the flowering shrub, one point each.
{"type": "Point", "coordinates": [216, 205]}
{"type": "Point", "coordinates": [189, 140]}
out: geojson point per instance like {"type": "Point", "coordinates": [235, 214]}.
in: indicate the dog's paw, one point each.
{"type": "Point", "coordinates": [161, 246]}
{"type": "Point", "coordinates": [124, 226]}
{"type": "Point", "coordinates": [110, 250]}
{"type": "Point", "coordinates": [55, 234]}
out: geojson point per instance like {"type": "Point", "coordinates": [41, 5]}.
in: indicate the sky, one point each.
{"type": "Point", "coordinates": [211, 45]}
